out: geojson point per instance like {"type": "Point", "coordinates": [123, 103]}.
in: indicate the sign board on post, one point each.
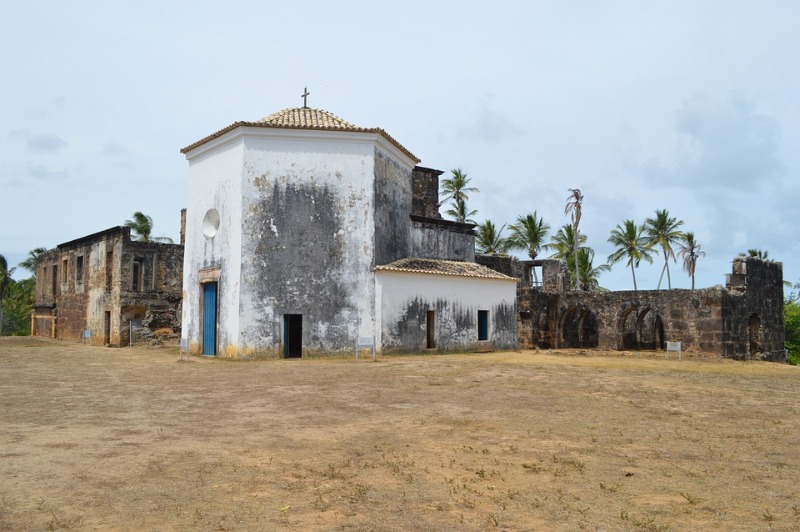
{"type": "Point", "coordinates": [365, 342]}
{"type": "Point", "coordinates": [673, 346]}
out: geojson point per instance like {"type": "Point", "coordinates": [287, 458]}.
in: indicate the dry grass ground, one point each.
{"type": "Point", "coordinates": [99, 438]}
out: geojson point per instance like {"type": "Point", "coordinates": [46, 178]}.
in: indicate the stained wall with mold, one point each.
{"type": "Point", "coordinates": [405, 299]}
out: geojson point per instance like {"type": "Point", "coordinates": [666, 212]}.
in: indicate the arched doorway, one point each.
{"type": "Point", "coordinates": [628, 329]}
{"type": "Point", "coordinates": [578, 328]}
{"type": "Point", "coordinates": [651, 330]}
{"type": "Point", "coordinates": [641, 329]}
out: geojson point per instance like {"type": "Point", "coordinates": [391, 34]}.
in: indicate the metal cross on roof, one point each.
{"type": "Point", "coordinates": [305, 96]}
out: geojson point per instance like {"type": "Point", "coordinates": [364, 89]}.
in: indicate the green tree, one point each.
{"type": "Point", "coordinates": [142, 227]}
{"type": "Point", "coordinates": [489, 239]}
{"type": "Point", "coordinates": [5, 281]}
{"type": "Point", "coordinates": [33, 260]}
{"type": "Point", "coordinates": [456, 188]}
{"type": "Point", "coordinates": [662, 230]}
{"type": "Point", "coordinates": [574, 208]}
{"type": "Point", "coordinates": [791, 326]}
{"type": "Point", "coordinates": [590, 275]}
{"type": "Point", "coordinates": [528, 233]}
{"type": "Point", "coordinates": [18, 306]}
{"type": "Point", "coordinates": [630, 242]}
{"type": "Point", "coordinates": [690, 251]}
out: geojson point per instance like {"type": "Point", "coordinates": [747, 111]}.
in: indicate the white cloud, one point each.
{"type": "Point", "coordinates": [38, 142]}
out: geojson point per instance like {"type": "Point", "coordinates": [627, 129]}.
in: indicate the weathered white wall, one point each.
{"type": "Point", "coordinates": [297, 236]}
{"type": "Point", "coordinates": [215, 171]}
{"type": "Point", "coordinates": [307, 240]}
{"type": "Point", "coordinates": [404, 298]}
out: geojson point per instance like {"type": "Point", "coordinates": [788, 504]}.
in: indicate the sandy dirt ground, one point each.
{"type": "Point", "coordinates": [131, 439]}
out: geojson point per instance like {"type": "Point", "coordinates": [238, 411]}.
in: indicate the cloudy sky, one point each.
{"type": "Point", "coordinates": [690, 106]}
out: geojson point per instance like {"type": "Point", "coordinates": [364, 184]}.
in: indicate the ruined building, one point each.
{"type": "Point", "coordinates": [305, 232]}
{"type": "Point", "coordinates": [743, 320]}
{"type": "Point", "coordinates": [92, 288]}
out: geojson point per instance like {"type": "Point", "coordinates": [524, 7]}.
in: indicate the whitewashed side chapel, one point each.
{"type": "Point", "coordinates": [305, 232]}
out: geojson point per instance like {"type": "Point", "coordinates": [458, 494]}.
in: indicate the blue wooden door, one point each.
{"type": "Point", "coordinates": [210, 319]}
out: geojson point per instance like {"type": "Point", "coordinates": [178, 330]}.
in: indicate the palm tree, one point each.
{"type": "Point", "coordinates": [5, 280]}
{"type": "Point", "coordinates": [528, 233]}
{"type": "Point", "coordinates": [573, 208]}
{"type": "Point", "coordinates": [489, 240]}
{"type": "Point", "coordinates": [459, 212]}
{"type": "Point", "coordinates": [142, 227]}
{"type": "Point", "coordinates": [630, 243]}
{"type": "Point", "coordinates": [457, 188]}
{"type": "Point", "coordinates": [33, 259]}
{"type": "Point", "coordinates": [663, 231]}
{"type": "Point", "coordinates": [762, 254]}
{"type": "Point", "coordinates": [690, 251]}
{"type": "Point", "coordinates": [589, 273]}
{"type": "Point", "coordinates": [563, 243]}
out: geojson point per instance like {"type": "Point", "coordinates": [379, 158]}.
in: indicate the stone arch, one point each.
{"type": "Point", "coordinates": [754, 334]}
{"type": "Point", "coordinates": [650, 329]}
{"type": "Point", "coordinates": [641, 329]}
{"type": "Point", "coordinates": [578, 328]}
{"type": "Point", "coordinates": [628, 329]}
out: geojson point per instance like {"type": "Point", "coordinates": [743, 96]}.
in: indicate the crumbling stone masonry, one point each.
{"type": "Point", "coordinates": [743, 320]}
{"type": "Point", "coordinates": [91, 288]}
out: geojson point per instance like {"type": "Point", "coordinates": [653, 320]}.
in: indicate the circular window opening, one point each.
{"type": "Point", "coordinates": [211, 223]}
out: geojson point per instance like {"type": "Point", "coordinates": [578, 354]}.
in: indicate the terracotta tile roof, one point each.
{"type": "Point", "coordinates": [303, 118]}
{"type": "Point", "coordinates": [443, 267]}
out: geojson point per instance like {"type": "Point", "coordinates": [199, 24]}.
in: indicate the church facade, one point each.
{"type": "Point", "coordinates": [305, 232]}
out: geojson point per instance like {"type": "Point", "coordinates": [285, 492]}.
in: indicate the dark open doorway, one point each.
{"type": "Point", "coordinates": [483, 325]}
{"type": "Point", "coordinates": [107, 329]}
{"type": "Point", "coordinates": [579, 328]}
{"type": "Point", "coordinates": [292, 335]}
{"type": "Point", "coordinates": [430, 327]}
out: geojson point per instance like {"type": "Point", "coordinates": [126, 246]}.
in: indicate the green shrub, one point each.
{"type": "Point", "coordinates": [791, 316]}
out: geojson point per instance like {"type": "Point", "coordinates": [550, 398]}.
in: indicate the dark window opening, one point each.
{"type": "Point", "coordinates": [483, 325]}
{"type": "Point", "coordinates": [155, 272]}
{"type": "Point", "coordinates": [136, 275]}
{"type": "Point", "coordinates": [54, 288]}
{"type": "Point", "coordinates": [109, 269]}
{"type": "Point", "coordinates": [79, 270]}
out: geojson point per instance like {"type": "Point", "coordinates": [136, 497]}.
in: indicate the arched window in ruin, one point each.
{"type": "Point", "coordinates": [754, 333]}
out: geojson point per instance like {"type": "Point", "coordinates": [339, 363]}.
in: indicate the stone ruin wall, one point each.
{"type": "Point", "coordinates": [105, 302]}
{"type": "Point", "coordinates": [743, 320]}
